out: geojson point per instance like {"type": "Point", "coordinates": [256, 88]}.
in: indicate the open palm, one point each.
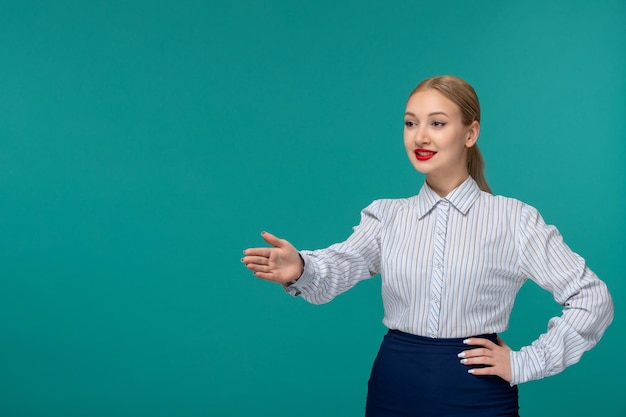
{"type": "Point", "coordinates": [281, 263]}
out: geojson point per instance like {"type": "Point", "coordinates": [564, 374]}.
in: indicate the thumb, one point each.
{"type": "Point", "coordinates": [273, 240]}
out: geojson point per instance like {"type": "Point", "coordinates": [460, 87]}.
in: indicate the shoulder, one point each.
{"type": "Point", "coordinates": [388, 207]}
{"type": "Point", "coordinates": [393, 204]}
{"type": "Point", "coordinates": [503, 206]}
{"type": "Point", "coordinates": [495, 200]}
{"type": "Point", "coordinates": [516, 211]}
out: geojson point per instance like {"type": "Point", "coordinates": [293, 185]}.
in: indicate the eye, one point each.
{"type": "Point", "coordinates": [409, 123]}
{"type": "Point", "coordinates": [437, 123]}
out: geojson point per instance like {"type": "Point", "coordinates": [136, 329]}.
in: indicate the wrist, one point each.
{"type": "Point", "coordinates": [293, 281]}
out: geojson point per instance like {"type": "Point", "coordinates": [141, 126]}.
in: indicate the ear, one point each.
{"type": "Point", "coordinates": [472, 134]}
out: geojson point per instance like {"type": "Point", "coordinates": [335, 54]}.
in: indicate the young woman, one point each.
{"type": "Point", "coordinates": [452, 260]}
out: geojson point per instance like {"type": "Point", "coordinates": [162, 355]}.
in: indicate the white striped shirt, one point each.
{"type": "Point", "coordinates": [451, 268]}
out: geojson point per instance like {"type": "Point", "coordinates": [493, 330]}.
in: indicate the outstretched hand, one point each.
{"type": "Point", "coordinates": [496, 357]}
{"type": "Point", "coordinates": [281, 263]}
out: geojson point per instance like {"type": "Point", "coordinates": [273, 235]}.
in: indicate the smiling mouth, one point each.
{"type": "Point", "coordinates": [424, 154]}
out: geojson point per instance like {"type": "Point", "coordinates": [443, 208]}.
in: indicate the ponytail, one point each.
{"type": "Point", "coordinates": [476, 168]}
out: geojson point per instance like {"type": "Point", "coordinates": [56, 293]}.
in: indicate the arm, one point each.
{"type": "Point", "coordinates": [587, 309]}
{"type": "Point", "coordinates": [321, 275]}
{"type": "Point", "coordinates": [587, 304]}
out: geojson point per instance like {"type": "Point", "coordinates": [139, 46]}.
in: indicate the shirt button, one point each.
{"type": "Point", "coordinates": [439, 232]}
{"type": "Point", "coordinates": [432, 334]}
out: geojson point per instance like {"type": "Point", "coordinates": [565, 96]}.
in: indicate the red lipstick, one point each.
{"type": "Point", "coordinates": [424, 154]}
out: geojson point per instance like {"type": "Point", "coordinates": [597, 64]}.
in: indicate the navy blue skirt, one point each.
{"type": "Point", "coordinates": [415, 376]}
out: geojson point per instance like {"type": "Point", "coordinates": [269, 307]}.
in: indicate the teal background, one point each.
{"type": "Point", "coordinates": [145, 144]}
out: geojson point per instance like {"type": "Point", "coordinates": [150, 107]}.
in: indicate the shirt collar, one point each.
{"type": "Point", "coordinates": [462, 197]}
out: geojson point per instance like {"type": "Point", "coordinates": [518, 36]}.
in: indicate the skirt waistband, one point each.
{"type": "Point", "coordinates": [430, 341]}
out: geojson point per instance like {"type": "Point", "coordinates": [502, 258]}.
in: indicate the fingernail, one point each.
{"type": "Point", "coordinates": [461, 355]}
{"type": "Point", "coordinates": [241, 259]}
{"type": "Point", "coordinates": [470, 371]}
{"type": "Point", "coordinates": [463, 361]}
{"type": "Point", "coordinates": [467, 341]}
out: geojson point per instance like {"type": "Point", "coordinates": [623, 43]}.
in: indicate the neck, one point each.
{"type": "Point", "coordinates": [444, 186]}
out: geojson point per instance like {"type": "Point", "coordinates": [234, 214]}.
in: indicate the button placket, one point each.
{"type": "Point", "coordinates": [436, 288]}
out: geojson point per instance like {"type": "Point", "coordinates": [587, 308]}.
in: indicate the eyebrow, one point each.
{"type": "Point", "coordinates": [430, 114]}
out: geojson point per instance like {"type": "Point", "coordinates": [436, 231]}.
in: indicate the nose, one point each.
{"type": "Point", "coordinates": [421, 136]}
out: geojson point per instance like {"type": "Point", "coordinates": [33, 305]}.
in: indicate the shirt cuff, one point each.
{"type": "Point", "coordinates": [526, 365]}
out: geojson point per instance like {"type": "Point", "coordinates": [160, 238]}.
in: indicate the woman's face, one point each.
{"type": "Point", "coordinates": [435, 138]}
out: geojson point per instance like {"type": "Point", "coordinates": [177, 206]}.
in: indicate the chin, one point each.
{"type": "Point", "coordinates": [421, 170]}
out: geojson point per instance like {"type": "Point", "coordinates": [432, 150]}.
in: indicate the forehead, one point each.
{"type": "Point", "coordinates": [431, 101]}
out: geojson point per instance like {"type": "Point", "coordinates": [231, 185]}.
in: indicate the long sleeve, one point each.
{"type": "Point", "coordinates": [334, 270]}
{"type": "Point", "coordinates": [587, 304]}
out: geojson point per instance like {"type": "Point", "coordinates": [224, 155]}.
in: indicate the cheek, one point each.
{"type": "Point", "coordinates": [453, 143]}
{"type": "Point", "coordinates": [408, 143]}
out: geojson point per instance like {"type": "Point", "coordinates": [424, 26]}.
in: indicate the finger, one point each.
{"type": "Point", "coordinates": [475, 353]}
{"type": "Point", "coordinates": [263, 252]}
{"type": "Point", "coordinates": [265, 275]}
{"type": "Point", "coordinates": [273, 240]}
{"type": "Point", "coordinates": [489, 370]}
{"type": "Point", "coordinates": [259, 260]}
{"type": "Point", "coordinates": [479, 341]}
{"type": "Point", "coordinates": [481, 360]}
{"type": "Point", "coordinates": [259, 268]}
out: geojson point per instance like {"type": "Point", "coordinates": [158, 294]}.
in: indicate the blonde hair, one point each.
{"type": "Point", "coordinates": [463, 95]}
